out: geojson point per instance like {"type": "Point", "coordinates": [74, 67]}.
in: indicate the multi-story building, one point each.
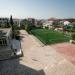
{"type": "Point", "coordinates": [48, 24]}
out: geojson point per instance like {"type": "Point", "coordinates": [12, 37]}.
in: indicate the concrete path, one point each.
{"type": "Point", "coordinates": [37, 60]}
{"type": "Point", "coordinates": [66, 49]}
{"type": "Point", "coordinates": [45, 58]}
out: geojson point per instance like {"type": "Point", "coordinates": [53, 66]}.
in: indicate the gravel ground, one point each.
{"type": "Point", "coordinates": [37, 60]}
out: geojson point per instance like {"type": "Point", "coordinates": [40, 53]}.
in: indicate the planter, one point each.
{"type": "Point", "coordinates": [17, 37]}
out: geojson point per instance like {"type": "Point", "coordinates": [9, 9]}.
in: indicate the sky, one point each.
{"type": "Point", "coordinates": [40, 9]}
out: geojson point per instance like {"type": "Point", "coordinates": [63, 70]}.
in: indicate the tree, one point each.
{"type": "Point", "coordinates": [55, 24]}
{"type": "Point", "coordinates": [7, 24]}
{"type": "Point", "coordinates": [73, 28]}
{"type": "Point", "coordinates": [11, 22]}
{"type": "Point", "coordinates": [73, 36]}
{"type": "Point", "coordinates": [25, 24]}
{"type": "Point", "coordinates": [28, 26]}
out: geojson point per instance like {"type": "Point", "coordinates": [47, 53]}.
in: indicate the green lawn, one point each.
{"type": "Point", "coordinates": [49, 36]}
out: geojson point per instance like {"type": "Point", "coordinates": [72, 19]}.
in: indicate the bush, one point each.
{"type": "Point", "coordinates": [46, 28]}
{"type": "Point", "coordinates": [73, 36]}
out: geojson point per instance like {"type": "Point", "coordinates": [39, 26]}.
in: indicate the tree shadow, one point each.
{"type": "Point", "coordinates": [13, 67]}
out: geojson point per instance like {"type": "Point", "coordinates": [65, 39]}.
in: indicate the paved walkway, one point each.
{"type": "Point", "coordinates": [66, 49]}
{"type": "Point", "coordinates": [37, 60]}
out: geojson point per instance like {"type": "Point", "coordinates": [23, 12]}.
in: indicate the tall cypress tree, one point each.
{"type": "Point", "coordinates": [11, 20]}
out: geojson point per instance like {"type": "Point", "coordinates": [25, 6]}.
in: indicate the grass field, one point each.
{"type": "Point", "coordinates": [49, 36]}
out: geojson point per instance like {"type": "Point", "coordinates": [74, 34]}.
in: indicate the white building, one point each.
{"type": "Point", "coordinates": [48, 24]}
{"type": "Point", "coordinates": [66, 22]}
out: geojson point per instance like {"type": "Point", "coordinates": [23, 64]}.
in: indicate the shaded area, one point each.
{"type": "Point", "coordinates": [13, 67]}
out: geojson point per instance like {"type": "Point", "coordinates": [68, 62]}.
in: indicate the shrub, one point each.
{"type": "Point", "coordinates": [46, 27]}
{"type": "Point", "coordinates": [73, 36]}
